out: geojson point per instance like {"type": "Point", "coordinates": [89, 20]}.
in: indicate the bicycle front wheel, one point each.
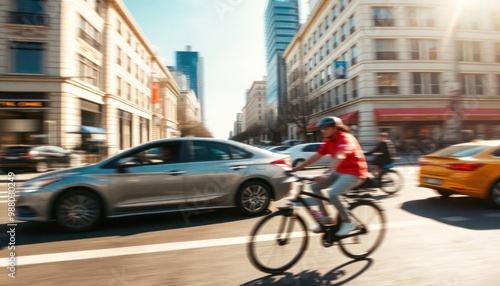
{"type": "Point", "coordinates": [391, 181]}
{"type": "Point", "coordinates": [277, 242]}
{"type": "Point", "coordinates": [370, 232]}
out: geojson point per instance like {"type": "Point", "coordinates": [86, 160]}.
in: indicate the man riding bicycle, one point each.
{"type": "Point", "coordinates": [348, 170]}
{"type": "Point", "coordinates": [384, 153]}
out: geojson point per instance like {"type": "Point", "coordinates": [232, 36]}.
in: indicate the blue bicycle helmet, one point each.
{"type": "Point", "coordinates": [330, 121]}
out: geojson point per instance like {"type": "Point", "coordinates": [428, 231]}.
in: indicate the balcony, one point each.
{"type": "Point", "coordinates": [22, 18]}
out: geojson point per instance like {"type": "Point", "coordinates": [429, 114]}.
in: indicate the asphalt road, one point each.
{"type": "Point", "coordinates": [430, 241]}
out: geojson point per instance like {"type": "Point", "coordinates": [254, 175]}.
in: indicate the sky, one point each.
{"type": "Point", "coordinates": [228, 34]}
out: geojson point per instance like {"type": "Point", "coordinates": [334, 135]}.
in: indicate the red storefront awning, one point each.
{"type": "Point", "coordinates": [434, 114]}
{"type": "Point", "coordinates": [311, 126]}
{"type": "Point", "coordinates": [412, 114]}
{"type": "Point", "coordinates": [350, 117]}
{"type": "Point", "coordinates": [481, 113]}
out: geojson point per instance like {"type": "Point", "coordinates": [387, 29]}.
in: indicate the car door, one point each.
{"type": "Point", "coordinates": [148, 183]}
{"type": "Point", "coordinates": [214, 172]}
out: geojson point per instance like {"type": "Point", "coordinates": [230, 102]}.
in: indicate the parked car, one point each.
{"type": "Point", "coordinates": [299, 153]}
{"type": "Point", "coordinates": [278, 148]}
{"type": "Point", "coordinates": [202, 174]}
{"type": "Point", "coordinates": [471, 169]}
{"type": "Point", "coordinates": [38, 158]}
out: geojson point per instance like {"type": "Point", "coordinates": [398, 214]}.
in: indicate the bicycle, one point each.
{"type": "Point", "coordinates": [282, 232]}
{"type": "Point", "coordinates": [390, 181]}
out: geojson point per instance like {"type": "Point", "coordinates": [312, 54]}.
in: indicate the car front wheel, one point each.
{"type": "Point", "coordinates": [254, 198]}
{"type": "Point", "coordinates": [495, 194]}
{"type": "Point", "coordinates": [78, 211]}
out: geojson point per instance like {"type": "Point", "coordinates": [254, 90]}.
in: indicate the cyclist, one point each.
{"type": "Point", "coordinates": [348, 169]}
{"type": "Point", "coordinates": [384, 153]}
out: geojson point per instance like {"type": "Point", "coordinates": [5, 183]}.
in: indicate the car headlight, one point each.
{"type": "Point", "coordinates": [33, 186]}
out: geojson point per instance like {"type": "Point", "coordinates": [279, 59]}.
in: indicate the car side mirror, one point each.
{"type": "Point", "coordinates": [128, 162]}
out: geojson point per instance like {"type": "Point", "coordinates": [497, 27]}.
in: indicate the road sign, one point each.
{"type": "Point", "coordinates": [340, 69]}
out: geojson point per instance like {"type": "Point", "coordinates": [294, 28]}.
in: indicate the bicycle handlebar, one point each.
{"type": "Point", "coordinates": [299, 178]}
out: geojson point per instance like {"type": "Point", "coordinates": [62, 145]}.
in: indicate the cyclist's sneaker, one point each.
{"type": "Point", "coordinates": [316, 229]}
{"type": "Point", "coordinates": [346, 227]}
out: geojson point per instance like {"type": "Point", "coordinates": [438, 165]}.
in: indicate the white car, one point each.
{"type": "Point", "coordinates": [299, 153]}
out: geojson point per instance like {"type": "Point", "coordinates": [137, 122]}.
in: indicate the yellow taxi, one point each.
{"type": "Point", "coordinates": [471, 169]}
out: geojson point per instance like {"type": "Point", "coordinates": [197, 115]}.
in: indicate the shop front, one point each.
{"type": "Point", "coordinates": [427, 129]}
{"type": "Point", "coordinates": [22, 118]}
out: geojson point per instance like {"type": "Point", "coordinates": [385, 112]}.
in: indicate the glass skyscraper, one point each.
{"type": "Point", "coordinates": [281, 24]}
{"type": "Point", "coordinates": [191, 64]}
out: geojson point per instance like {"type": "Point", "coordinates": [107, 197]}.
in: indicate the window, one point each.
{"type": "Point", "coordinates": [386, 49]}
{"type": "Point", "coordinates": [425, 83]}
{"type": "Point", "coordinates": [496, 20]}
{"type": "Point", "coordinates": [337, 99]}
{"type": "Point", "coordinates": [335, 13]}
{"type": "Point", "coordinates": [342, 5]}
{"type": "Point", "coordinates": [88, 71]}
{"type": "Point", "coordinates": [423, 50]}
{"type": "Point", "coordinates": [119, 56]}
{"type": "Point", "coordinates": [344, 32]}
{"type": "Point", "coordinates": [118, 86]}
{"type": "Point", "coordinates": [311, 147]}
{"type": "Point", "coordinates": [470, 20]}
{"type": "Point", "coordinates": [99, 7]}
{"type": "Point", "coordinates": [352, 24]}
{"type": "Point", "coordinates": [354, 83]}
{"type": "Point", "coordinates": [329, 72]}
{"type": "Point", "coordinates": [354, 55]}
{"type": "Point", "coordinates": [119, 26]}
{"type": "Point", "coordinates": [497, 46]}
{"type": "Point", "coordinates": [129, 91]}
{"type": "Point", "coordinates": [472, 84]}
{"type": "Point", "coordinates": [90, 34]}
{"type": "Point", "coordinates": [29, 12]}
{"type": "Point", "coordinates": [421, 17]}
{"type": "Point", "coordinates": [323, 77]}
{"type": "Point", "coordinates": [498, 84]}
{"type": "Point", "coordinates": [27, 57]}
{"type": "Point", "coordinates": [469, 51]}
{"type": "Point", "coordinates": [344, 89]}
{"type": "Point", "coordinates": [387, 83]}
{"type": "Point", "coordinates": [215, 151]}
{"type": "Point", "coordinates": [335, 40]}
{"type": "Point", "coordinates": [383, 17]}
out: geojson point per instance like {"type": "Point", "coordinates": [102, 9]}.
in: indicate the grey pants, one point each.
{"type": "Point", "coordinates": [339, 183]}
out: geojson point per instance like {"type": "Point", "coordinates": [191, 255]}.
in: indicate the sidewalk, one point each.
{"type": "Point", "coordinates": [408, 159]}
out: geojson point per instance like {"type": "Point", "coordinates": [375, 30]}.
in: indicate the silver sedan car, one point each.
{"type": "Point", "coordinates": [181, 174]}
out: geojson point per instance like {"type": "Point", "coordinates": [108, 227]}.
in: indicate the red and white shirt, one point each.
{"type": "Point", "coordinates": [354, 162]}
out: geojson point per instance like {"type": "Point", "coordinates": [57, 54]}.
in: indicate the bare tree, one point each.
{"type": "Point", "coordinates": [299, 112]}
{"type": "Point", "coordinates": [194, 128]}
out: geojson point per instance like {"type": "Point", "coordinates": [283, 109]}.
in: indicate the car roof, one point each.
{"type": "Point", "coordinates": [492, 143]}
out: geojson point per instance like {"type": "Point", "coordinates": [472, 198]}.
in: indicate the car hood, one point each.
{"type": "Point", "coordinates": [60, 173]}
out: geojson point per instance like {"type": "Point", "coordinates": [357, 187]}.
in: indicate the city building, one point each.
{"type": "Point", "coordinates": [237, 125]}
{"type": "Point", "coordinates": [190, 63]}
{"type": "Point", "coordinates": [426, 70]}
{"type": "Point", "coordinates": [281, 24]}
{"type": "Point", "coordinates": [71, 70]}
{"type": "Point", "coordinates": [256, 107]}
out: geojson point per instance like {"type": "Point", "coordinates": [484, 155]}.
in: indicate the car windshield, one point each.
{"type": "Point", "coordinates": [463, 151]}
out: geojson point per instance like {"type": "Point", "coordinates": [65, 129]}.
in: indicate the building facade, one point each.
{"type": "Point", "coordinates": [69, 65]}
{"type": "Point", "coordinates": [256, 107]}
{"type": "Point", "coordinates": [190, 63]}
{"type": "Point", "coordinates": [426, 70]}
{"type": "Point", "coordinates": [281, 24]}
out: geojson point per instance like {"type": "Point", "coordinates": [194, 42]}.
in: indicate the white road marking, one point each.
{"type": "Point", "coordinates": [161, 247]}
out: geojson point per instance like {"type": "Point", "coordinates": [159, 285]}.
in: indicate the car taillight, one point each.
{"type": "Point", "coordinates": [423, 163]}
{"type": "Point", "coordinates": [30, 154]}
{"type": "Point", "coordinates": [283, 162]}
{"type": "Point", "coordinates": [464, 166]}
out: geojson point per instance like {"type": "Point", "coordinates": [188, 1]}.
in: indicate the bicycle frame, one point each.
{"type": "Point", "coordinates": [328, 230]}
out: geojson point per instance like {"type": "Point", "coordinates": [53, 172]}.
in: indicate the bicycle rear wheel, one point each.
{"type": "Point", "coordinates": [277, 242]}
{"type": "Point", "coordinates": [391, 181]}
{"type": "Point", "coordinates": [372, 222]}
